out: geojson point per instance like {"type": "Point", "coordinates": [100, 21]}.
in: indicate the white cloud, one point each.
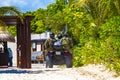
{"type": "Point", "coordinates": [6, 3]}
{"type": "Point", "coordinates": [13, 3]}
{"type": "Point", "coordinates": [26, 4]}
{"type": "Point", "coordinates": [36, 4]}
{"type": "Point", "coordinates": [20, 2]}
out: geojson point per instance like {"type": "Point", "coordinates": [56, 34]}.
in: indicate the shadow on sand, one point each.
{"type": "Point", "coordinates": [15, 71]}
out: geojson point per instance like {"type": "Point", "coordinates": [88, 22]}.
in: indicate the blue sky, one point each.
{"type": "Point", "coordinates": [26, 5]}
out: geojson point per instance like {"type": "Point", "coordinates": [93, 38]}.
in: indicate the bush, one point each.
{"type": "Point", "coordinates": [105, 50]}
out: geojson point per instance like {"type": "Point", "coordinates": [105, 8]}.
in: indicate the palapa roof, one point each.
{"type": "Point", "coordinates": [4, 34]}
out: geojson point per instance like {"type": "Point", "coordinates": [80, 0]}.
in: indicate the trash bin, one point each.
{"type": "Point", "coordinates": [4, 59]}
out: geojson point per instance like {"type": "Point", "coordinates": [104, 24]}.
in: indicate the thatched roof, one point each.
{"type": "Point", "coordinates": [4, 34]}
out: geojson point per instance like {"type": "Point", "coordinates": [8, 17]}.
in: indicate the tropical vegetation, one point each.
{"type": "Point", "coordinates": [10, 11]}
{"type": "Point", "coordinates": [94, 26]}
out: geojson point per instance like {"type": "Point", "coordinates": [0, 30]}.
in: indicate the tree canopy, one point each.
{"type": "Point", "coordinates": [94, 26]}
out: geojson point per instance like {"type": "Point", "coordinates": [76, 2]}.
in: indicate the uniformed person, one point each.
{"type": "Point", "coordinates": [49, 42]}
{"type": "Point", "coordinates": [49, 47]}
{"type": "Point", "coordinates": [67, 43]}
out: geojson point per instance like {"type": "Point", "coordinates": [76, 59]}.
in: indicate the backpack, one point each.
{"type": "Point", "coordinates": [65, 41]}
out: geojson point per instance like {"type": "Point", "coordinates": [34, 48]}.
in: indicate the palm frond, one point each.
{"type": "Point", "coordinates": [11, 10]}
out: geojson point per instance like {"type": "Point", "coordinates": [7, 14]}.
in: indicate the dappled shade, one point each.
{"type": "Point", "coordinates": [4, 34]}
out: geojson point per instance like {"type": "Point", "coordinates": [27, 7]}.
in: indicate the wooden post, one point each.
{"type": "Point", "coordinates": [23, 39]}
{"type": "Point", "coordinates": [19, 42]}
{"type": "Point", "coordinates": [24, 43]}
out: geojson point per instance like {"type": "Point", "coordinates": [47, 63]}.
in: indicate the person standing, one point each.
{"type": "Point", "coordinates": [49, 42]}
{"type": "Point", "coordinates": [49, 47]}
{"type": "Point", "coordinates": [10, 57]}
{"type": "Point", "coordinates": [67, 43]}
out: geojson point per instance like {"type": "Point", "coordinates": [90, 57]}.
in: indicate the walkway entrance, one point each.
{"type": "Point", "coordinates": [23, 39]}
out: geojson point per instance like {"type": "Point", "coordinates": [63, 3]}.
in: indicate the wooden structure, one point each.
{"type": "Point", "coordinates": [23, 39]}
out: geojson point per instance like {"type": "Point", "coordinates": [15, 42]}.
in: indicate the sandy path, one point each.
{"type": "Point", "coordinates": [39, 72]}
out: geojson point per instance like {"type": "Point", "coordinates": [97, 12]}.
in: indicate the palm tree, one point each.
{"type": "Point", "coordinates": [4, 34]}
{"type": "Point", "coordinates": [101, 9]}
{"type": "Point", "coordinates": [10, 10]}
{"type": "Point", "coordinates": [7, 11]}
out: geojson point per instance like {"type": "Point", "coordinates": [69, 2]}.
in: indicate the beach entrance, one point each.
{"type": "Point", "coordinates": [23, 39]}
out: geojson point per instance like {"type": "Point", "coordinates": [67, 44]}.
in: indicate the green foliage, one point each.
{"type": "Point", "coordinates": [111, 27]}
{"type": "Point", "coordinates": [28, 13]}
{"type": "Point", "coordinates": [105, 50]}
{"type": "Point", "coordinates": [110, 33]}
{"type": "Point", "coordinates": [38, 24]}
{"type": "Point", "coordinates": [94, 26]}
{"type": "Point", "coordinates": [13, 11]}
{"type": "Point", "coordinates": [12, 30]}
{"type": "Point", "coordinates": [77, 61]}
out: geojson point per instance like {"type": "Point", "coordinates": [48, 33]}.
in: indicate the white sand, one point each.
{"type": "Point", "coordinates": [39, 72]}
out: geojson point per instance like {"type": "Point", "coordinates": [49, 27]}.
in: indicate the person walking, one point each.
{"type": "Point", "coordinates": [10, 64]}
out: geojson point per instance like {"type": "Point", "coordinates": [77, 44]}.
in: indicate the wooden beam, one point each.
{"type": "Point", "coordinates": [23, 39]}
